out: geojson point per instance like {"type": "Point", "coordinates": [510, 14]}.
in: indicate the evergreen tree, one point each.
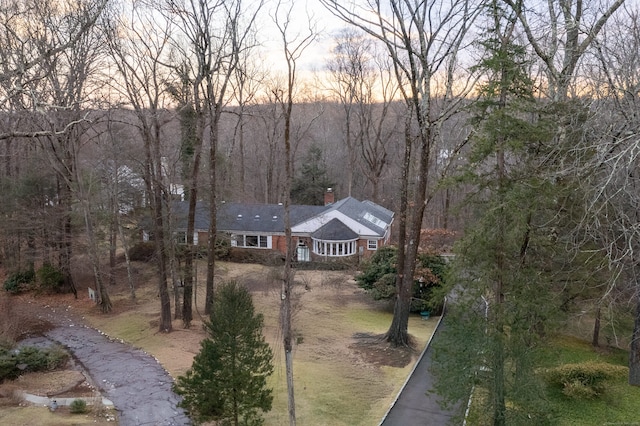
{"type": "Point", "coordinates": [309, 187]}
{"type": "Point", "coordinates": [507, 260]}
{"type": "Point", "coordinates": [228, 379]}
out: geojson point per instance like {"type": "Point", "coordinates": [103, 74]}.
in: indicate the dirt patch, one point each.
{"type": "Point", "coordinates": [375, 350]}
{"type": "Point", "coordinates": [18, 320]}
{"type": "Point", "coordinates": [61, 383]}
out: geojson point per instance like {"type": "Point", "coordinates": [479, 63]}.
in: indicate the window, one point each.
{"type": "Point", "coordinates": [334, 249]}
{"type": "Point", "coordinates": [251, 241]}
{"type": "Point", "coordinates": [180, 237]}
{"type": "Point", "coordinates": [372, 244]}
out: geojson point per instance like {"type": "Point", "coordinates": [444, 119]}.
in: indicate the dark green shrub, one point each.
{"type": "Point", "coordinates": [378, 277]}
{"type": "Point", "coordinates": [584, 380]}
{"type": "Point", "coordinates": [383, 262]}
{"type": "Point", "coordinates": [142, 251]}
{"type": "Point", "coordinates": [19, 281]}
{"type": "Point", "coordinates": [78, 406]}
{"type": "Point", "coordinates": [14, 362]}
{"type": "Point", "coordinates": [50, 278]}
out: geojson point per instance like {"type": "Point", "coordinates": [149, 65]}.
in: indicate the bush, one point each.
{"type": "Point", "coordinates": [584, 380]}
{"type": "Point", "coordinates": [378, 277]}
{"type": "Point", "coordinates": [223, 247]}
{"type": "Point", "coordinates": [262, 257]}
{"type": "Point", "coordinates": [143, 251]}
{"type": "Point", "coordinates": [50, 279]}
{"type": "Point", "coordinates": [13, 362]}
{"type": "Point", "coordinates": [78, 406]}
{"type": "Point", "coordinates": [19, 281]}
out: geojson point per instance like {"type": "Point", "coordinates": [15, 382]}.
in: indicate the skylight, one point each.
{"type": "Point", "coordinates": [377, 222]}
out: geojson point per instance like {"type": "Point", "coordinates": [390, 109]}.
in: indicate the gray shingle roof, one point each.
{"type": "Point", "coordinates": [335, 230]}
{"type": "Point", "coordinates": [269, 218]}
{"type": "Point", "coordinates": [363, 211]}
{"type": "Point", "coordinates": [232, 217]}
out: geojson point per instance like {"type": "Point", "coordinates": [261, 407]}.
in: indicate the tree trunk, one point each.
{"type": "Point", "coordinates": [398, 331]}
{"type": "Point", "coordinates": [125, 246]}
{"type": "Point", "coordinates": [103, 295]}
{"type": "Point", "coordinates": [214, 115]}
{"type": "Point", "coordinates": [595, 341]}
{"type": "Point", "coordinates": [66, 251]}
{"type": "Point", "coordinates": [112, 244]}
{"type": "Point", "coordinates": [154, 171]}
{"type": "Point", "coordinates": [634, 350]}
{"type": "Point", "coordinates": [176, 280]}
{"type": "Point", "coordinates": [498, 394]}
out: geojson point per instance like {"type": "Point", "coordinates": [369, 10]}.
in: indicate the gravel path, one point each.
{"type": "Point", "coordinates": [133, 380]}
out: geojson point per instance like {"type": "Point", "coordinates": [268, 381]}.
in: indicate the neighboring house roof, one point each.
{"type": "Point", "coordinates": [347, 219]}
{"type": "Point", "coordinates": [180, 211]}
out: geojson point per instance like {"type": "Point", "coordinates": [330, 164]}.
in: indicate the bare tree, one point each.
{"type": "Point", "coordinates": [46, 50]}
{"type": "Point", "coordinates": [249, 77]}
{"type": "Point", "coordinates": [609, 159]}
{"type": "Point", "coordinates": [423, 40]}
{"type": "Point", "coordinates": [139, 46]}
{"type": "Point", "coordinates": [293, 48]}
{"type": "Point", "coordinates": [352, 81]}
{"type": "Point", "coordinates": [560, 33]}
{"type": "Point", "coordinates": [59, 97]}
{"type": "Point", "coordinates": [216, 50]}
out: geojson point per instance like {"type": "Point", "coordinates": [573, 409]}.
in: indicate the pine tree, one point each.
{"type": "Point", "coordinates": [228, 379]}
{"type": "Point", "coordinates": [309, 187]}
{"type": "Point", "coordinates": [505, 261]}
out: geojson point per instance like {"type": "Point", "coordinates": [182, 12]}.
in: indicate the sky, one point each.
{"type": "Point", "coordinates": [314, 57]}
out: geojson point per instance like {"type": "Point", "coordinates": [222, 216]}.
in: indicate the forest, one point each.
{"type": "Point", "coordinates": [513, 123]}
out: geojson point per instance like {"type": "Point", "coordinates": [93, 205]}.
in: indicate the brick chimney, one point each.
{"type": "Point", "coordinates": [329, 197]}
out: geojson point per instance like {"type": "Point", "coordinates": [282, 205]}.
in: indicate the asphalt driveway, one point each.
{"type": "Point", "coordinates": [415, 406]}
{"type": "Point", "coordinates": [136, 383]}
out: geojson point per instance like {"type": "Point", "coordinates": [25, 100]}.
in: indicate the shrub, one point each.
{"type": "Point", "coordinates": [19, 280]}
{"type": "Point", "coordinates": [142, 252]}
{"type": "Point", "coordinates": [223, 246]}
{"type": "Point", "coordinates": [584, 380]}
{"type": "Point", "coordinates": [14, 362]}
{"type": "Point", "coordinates": [50, 279]}
{"type": "Point", "coordinates": [78, 406]}
{"type": "Point", "coordinates": [378, 277]}
{"type": "Point", "coordinates": [262, 257]}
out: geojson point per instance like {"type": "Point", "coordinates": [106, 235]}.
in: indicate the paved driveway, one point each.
{"type": "Point", "coordinates": [133, 380]}
{"type": "Point", "coordinates": [414, 406]}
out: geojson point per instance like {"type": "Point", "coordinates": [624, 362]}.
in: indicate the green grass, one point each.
{"type": "Point", "coordinates": [569, 350]}
{"type": "Point", "coordinates": [619, 405]}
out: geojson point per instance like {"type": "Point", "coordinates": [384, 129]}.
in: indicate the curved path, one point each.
{"type": "Point", "coordinates": [414, 405]}
{"type": "Point", "coordinates": [138, 386]}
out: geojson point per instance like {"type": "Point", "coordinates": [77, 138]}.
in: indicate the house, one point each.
{"type": "Point", "coordinates": [342, 229]}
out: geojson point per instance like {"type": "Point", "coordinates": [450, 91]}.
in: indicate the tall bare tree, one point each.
{"type": "Point", "coordinates": [609, 161]}
{"type": "Point", "coordinates": [293, 46]}
{"type": "Point", "coordinates": [423, 40]}
{"type": "Point", "coordinates": [216, 50]}
{"type": "Point", "coordinates": [352, 80]}
{"type": "Point", "coordinates": [138, 45]}
{"type": "Point", "coordinates": [560, 32]}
